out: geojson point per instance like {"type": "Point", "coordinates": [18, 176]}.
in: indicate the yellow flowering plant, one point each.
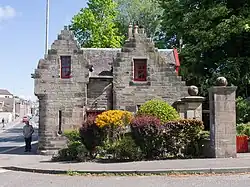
{"type": "Point", "coordinates": [113, 123]}
{"type": "Point", "coordinates": [113, 118]}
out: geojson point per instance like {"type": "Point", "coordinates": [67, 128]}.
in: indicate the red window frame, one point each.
{"type": "Point", "coordinates": [65, 67]}
{"type": "Point", "coordinates": [140, 70]}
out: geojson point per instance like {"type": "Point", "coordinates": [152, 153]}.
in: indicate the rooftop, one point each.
{"type": "Point", "coordinates": [5, 92]}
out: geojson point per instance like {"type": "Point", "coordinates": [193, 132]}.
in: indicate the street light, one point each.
{"type": "Point", "coordinates": [47, 28]}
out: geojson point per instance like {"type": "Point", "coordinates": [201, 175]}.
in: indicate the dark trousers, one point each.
{"type": "Point", "coordinates": [28, 143]}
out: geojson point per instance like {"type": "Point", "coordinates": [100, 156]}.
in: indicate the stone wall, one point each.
{"type": "Point", "coordinates": [56, 94]}
{"type": "Point", "coordinates": [222, 121]}
{"type": "Point", "coordinates": [101, 79]}
{"type": "Point", "coordinates": [162, 80]}
{"type": "Point", "coordinates": [100, 94]}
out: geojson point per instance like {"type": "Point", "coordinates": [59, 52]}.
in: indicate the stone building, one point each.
{"type": "Point", "coordinates": [7, 106]}
{"type": "Point", "coordinates": [22, 107]}
{"type": "Point", "coordinates": [72, 82]}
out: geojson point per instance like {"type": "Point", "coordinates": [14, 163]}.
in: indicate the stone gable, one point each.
{"type": "Point", "coordinates": [99, 79]}
{"type": "Point", "coordinates": [161, 81]}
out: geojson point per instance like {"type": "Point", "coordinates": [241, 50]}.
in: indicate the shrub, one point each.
{"type": "Point", "coordinates": [127, 149]}
{"type": "Point", "coordinates": [113, 123]}
{"type": "Point", "coordinates": [72, 135]}
{"type": "Point", "coordinates": [242, 110]}
{"type": "Point", "coordinates": [122, 149]}
{"type": "Point", "coordinates": [114, 118]}
{"type": "Point", "coordinates": [205, 135]}
{"type": "Point", "coordinates": [75, 150]}
{"type": "Point", "coordinates": [91, 135]}
{"type": "Point", "coordinates": [159, 109]}
{"type": "Point", "coordinates": [180, 134]}
{"type": "Point", "coordinates": [146, 131]}
{"type": "Point", "coordinates": [243, 129]}
{"type": "Point", "coordinates": [240, 129]}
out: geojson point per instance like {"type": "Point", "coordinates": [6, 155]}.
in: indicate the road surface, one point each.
{"type": "Point", "coordinates": [19, 179]}
{"type": "Point", "coordinates": [12, 141]}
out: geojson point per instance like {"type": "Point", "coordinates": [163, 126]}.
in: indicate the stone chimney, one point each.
{"type": "Point", "coordinates": [141, 30]}
{"type": "Point", "coordinates": [135, 29]}
{"type": "Point", "coordinates": [66, 27]}
{"type": "Point", "coordinates": [130, 31]}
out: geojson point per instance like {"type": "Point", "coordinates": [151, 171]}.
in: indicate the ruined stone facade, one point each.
{"type": "Point", "coordinates": [98, 80]}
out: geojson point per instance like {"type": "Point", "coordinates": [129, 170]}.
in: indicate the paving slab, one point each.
{"type": "Point", "coordinates": [10, 125]}
{"type": "Point", "coordinates": [42, 164]}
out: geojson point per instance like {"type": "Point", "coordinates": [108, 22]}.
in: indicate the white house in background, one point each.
{"type": "Point", "coordinates": [7, 106]}
{"type": "Point", "coordinates": [22, 107]}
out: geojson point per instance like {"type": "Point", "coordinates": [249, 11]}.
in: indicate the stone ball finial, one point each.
{"type": "Point", "coordinates": [221, 81]}
{"type": "Point", "coordinates": [193, 90]}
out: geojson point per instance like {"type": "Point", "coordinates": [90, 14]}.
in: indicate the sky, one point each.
{"type": "Point", "coordinates": [22, 39]}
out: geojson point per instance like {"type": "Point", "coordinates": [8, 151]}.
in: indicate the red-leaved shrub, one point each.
{"type": "Point", "coordinates": [146, 131]}
{"type": "Point", "coordinates": [91, 134]}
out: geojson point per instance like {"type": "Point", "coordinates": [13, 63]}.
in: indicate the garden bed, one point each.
{"type": "Point", "coordinates": [156, 132]}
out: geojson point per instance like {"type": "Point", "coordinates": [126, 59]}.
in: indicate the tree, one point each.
{"type": "Point", "coordinates": [146, 13]}
{"type": "Point", "coordinates": [216, 40]}
{"type": "Point", "coordinates": [94, 25]}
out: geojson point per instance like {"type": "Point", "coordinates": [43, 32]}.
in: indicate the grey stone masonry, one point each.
{"type": "Point", "coordinates": [100, 79]}
{"type": "Point", "coordinates": [222, 121]}
{"type": "Point", "coordinates": [162, 81]}
{"type": "Point", "coordinates": [60, 95]}
{"type": "Point", "coordinates": [192, 107]}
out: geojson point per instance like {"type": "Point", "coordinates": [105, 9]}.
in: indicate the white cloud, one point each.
{"type": "Point", "coordinates": [7, 12]}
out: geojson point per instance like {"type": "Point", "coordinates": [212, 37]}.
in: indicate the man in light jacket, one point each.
{"type": "Point", "coordinates": [27, 133]}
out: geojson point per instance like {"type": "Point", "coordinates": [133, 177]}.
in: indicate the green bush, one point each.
{"type": "Point", "coordinates": [147, 133]}
{"type": "Point", "coordinates": [127, 149]}
{"type": "Point", "coordinates": [205, 135]}
{"type": "Point", "coordinates": [159, 109]}
{"type": "Point", "coordinates": [240, 129]}
{"type": "Point", "coordinates": [243, 129]}
{"type": "Point", "coordinates": [242, 110]}
{"type": "Point", "coordinates": [247, 130]}
{"type": "Point", "coordinates": [72, 135]}
{"type": "Point", "coordinates": [180, 134]}
{"type": "Point", "coordinates": [122, 149]}
{"type": "Point", "coordinates": [75, 151]}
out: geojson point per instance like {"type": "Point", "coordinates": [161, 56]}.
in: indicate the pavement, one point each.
{"type": "Point", "coordinates": [13, 157]}
{"type": "Point", "coordinates": [11, 137]}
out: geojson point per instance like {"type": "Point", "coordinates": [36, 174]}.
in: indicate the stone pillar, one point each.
{"type": "Point", "coordinates": [190, 107]}
{"type": "Point", "coordinates": [180, 108]}
{"type": "Point", "coordinates": [193, 107]}
{"type": "Point", "coordinates": [222, 119]}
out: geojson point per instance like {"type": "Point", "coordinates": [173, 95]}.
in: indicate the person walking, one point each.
{"type": "Point", "coordinates": [28, 130]}
{"type": "Point", "coordinates": [3, 122]}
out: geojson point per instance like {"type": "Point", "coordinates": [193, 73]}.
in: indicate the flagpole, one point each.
{"type": "Point", "coordinates": [47, 28]}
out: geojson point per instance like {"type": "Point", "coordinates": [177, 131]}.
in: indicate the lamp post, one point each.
{"type": "Point", "coordinates": [47, 28]}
